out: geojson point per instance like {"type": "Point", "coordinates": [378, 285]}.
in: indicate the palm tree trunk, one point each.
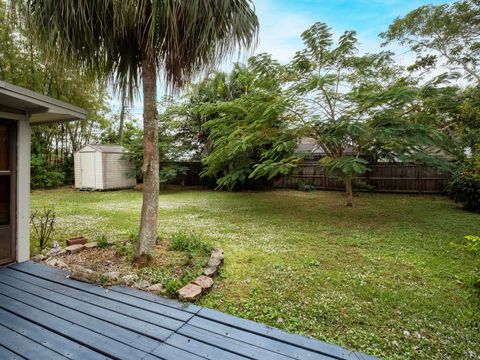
{"type": "Point", "coordinates": [148, 223]}
{"type": "Point", "coordinates": [348, 190]}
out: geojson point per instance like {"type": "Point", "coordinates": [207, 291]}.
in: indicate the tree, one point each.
{"type": "Point", "coordinates": [22, 62]}
{"type": "Point", "coordinates": [130, 42]}
{"type": "Point", "coordinates": [249, 135]}
{"type": "Point", "coordinates": [355, 106]}
{"type": "Point", "coordinates": [448, 31]}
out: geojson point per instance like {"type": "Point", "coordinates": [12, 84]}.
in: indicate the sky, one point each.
{"type": "Point", "coordinates": [283, 21]}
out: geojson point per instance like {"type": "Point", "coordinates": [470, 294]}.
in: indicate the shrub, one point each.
{"type": "Point", "coordinates": [465, 185]}
{"type": "Point", "coordinates": [43, 223]}
{"type": "Point", "coordinates": [472, 244]}
{"type": "Point", "coordinates": [44, 175]}
{"type": "Point", "coordinates": [190, 243]}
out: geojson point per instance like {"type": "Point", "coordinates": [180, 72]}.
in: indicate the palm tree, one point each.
{"type": "Point", "coordinates": [131, 42]}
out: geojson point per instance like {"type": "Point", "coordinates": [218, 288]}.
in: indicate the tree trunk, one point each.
{"type": "Point", "coordinates": [148, 223]}
{"type": "Point", "coordinates": [122, 115]}
{"type": "Point", "coordinates": [348, 190]}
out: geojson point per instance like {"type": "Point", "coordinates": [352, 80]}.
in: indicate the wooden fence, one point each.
{"type": "Point", "coordinates": [382, 177]}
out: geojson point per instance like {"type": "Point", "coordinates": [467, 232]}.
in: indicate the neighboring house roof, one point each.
{"type": "Point", "coordinates": [109, 148]}
{"type": "Point", "coordinates": [41, 109]}
{"type": "Point", "coordinates": [309, 145]}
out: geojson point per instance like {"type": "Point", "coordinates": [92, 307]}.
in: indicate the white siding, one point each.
{"type": "Point", "coordinates": [23, 190]}
{"type": "Point", "coordinates": [77, 169]}
{"type": "Point", "coordinates": [99, 183]}
{"type": "Point", "coordinates": [119, 173]}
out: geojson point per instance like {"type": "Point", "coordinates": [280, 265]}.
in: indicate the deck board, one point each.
{"type": "Point", "coordinates": [47, 338]}
{"type": "Point", "coordinates": [45, 314]}
{"type": "Point", "coordinates": [6, 354]}
{"type": "Point", "coordinates": [141, 321]}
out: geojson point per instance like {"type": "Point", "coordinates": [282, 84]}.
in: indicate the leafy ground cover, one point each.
{"type": "Point", "coordinates": [380, 277]}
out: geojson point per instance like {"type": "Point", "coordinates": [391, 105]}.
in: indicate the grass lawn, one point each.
{"type": "Point", "coordinates": [379, 278]}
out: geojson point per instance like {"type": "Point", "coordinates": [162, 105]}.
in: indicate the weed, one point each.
{"type": "Point", "coordinates": [171, 286]}
{"type": "Point", "coordinates": [189, 243]}
{"type": "Point", "coordinates": [102, 241]}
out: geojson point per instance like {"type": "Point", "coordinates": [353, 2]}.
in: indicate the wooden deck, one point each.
{"type": "Point", "coordinates": [45, 315]}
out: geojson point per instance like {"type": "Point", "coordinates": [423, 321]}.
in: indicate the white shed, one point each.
{"type": "Point", "coordinates": [103, 167]}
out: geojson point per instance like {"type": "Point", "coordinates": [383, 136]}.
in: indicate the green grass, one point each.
{"type": "Point", "coordinates": [379, 278]}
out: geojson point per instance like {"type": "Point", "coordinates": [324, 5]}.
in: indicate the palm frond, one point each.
{"type": "Point", "coordinates": [111, 38]}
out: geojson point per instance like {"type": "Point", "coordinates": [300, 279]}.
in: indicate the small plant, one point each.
{"type": "Point", "coordinates": [155, 275]}
{"type": "Point", "coordinates": [472, 245]}
{"type": "Point", "coordinates": [125, 250]}
{"type": "Point", "coordinates": [465, 185]}
{"type": "Point", "coordinates": [43, 224]}
{"type": "Point", "coordinates": [301, 186]}
{"type": "Point", "coordinates": [189, 243]}
{"type": "Point", "coordinates": [102, 242]}
{"type": "Point", "coordinates": [172, 286]}
{"type": "Point", "coordinates": [132, 235]}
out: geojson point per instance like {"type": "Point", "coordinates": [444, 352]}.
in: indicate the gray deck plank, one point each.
{"type": "Point", "coordinates": [47, 338]}
{"type": "Point", "coordinates": [59, 277]}
{"type": "Point", "coordinates": [131, 318]}
{"type": "Point", "coordinates": [119, 333]}
{"type": "Point", "coordinates": [6, 354]}
{"type": "Point", "coordinates": [168, 352]}
{"type": "Point", "coordinates": [230, 344]}
{"type": "Point", "coordinates": [193, 309]}
{"type": "Point", "coordinates": [303, 342]}
{"type": "Point", "coordinates": [263, 342]}
{"type": "Point", "coordinates": [200, 348]}
{"type": "Point", "coordinates": [69, 330]}
{"type": "Point", "coordinates": [25, 347]}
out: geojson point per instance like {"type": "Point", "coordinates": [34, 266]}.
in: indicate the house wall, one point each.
{"type": "Point", "coordinates": [22, 227]}
{"type": "Point", "coordinates": [23, 190]}
{"type": "Point", "coordinates": [118, 172]}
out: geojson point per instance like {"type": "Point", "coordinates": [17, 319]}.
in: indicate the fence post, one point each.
{"type": "Point", "coordinates": [419, 180]}
{"type": "Point", "coordinates": [324, 179]}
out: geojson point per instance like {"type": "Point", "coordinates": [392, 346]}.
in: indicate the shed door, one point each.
{"type": "Point", "coordinates": [8, 209]}
{"type": "Point", "coordinates": [88, 170]}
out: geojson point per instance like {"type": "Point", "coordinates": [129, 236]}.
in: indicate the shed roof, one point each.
{"type": "Point", "coordinates": [41, 109]}
{"type": "Point", "coordinates": [108, 148]}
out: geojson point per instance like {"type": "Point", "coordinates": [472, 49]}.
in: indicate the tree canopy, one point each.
{"type": "Point", "coordinates": [447, 33]}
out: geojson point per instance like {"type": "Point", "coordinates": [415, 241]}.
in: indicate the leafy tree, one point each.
{"type": "Point", "coordinates": [355, 106]}
{"type": "Point", "coordinates": [45, 175]}
{"type": "Point", "coordinates": [450, 32]}
{"type": "Point", "coordinates": [129, 42]}
{"type": "Point", "coordinates": [187, 115]}
{"type": "Point", "coordinates": [465, 184]}
{"type": "Point", "coordinates": [457, 114]}
{"type": "Point", "coordinates": [249, 133]}
{"type": "Point", "coordinates": [23, 63]}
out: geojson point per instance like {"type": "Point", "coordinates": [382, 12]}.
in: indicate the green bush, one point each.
{"type": "Point", "coordinates": [465, 185]}
{"type": "Point", "coordinates": [472, 245]}
{"type": "Point", "coordinates": [190, 243]}
{"type": "Point", "coordinates": [44, 175]}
